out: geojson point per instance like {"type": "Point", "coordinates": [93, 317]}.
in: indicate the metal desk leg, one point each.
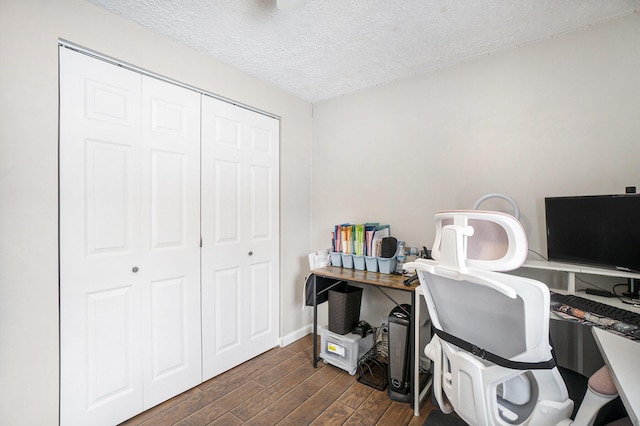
{"type": "Point", "coordinates": [315, 323]}
{"type": "Point", "coordinates": [417, 396]}
{"type": "Point", "coordinates": [415, 354]}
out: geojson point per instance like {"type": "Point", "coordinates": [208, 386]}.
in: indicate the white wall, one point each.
{"type": "Point", "coordinates": [29, 32]}
{"type": "Point", "coordinates": [558, 117]}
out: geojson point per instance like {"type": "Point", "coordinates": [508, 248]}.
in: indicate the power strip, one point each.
{"type": "Point", "coordinates": [598, 292]}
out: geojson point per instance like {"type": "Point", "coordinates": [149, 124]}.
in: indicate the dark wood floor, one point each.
{"type": "Point", "coordinates": [282, 387]}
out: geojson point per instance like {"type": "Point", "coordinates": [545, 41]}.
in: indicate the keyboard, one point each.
{"type": "Point", "coordinates": [607, 316]}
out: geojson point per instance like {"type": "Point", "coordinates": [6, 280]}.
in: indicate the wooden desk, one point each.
{"type": "Point", "coordinates": [365, 277]}
{"type": "Point", "coordinates": [621, 356]}
{"type": "Point", "coordinates": [381, 282]}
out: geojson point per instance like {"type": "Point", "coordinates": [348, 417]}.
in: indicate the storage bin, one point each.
{"type": "Point", "coordinates": [347, 260]}
{"type": "Point", "coordinates": [343, 351]}
{"type": "Point", "coordinates": [387, 264]}
{"type": "Point", "coordinates": [358, 263]}
{"type": "Point", "coordinates": [344, 308]}
{"type": "Point", "coordinates": [336, 258]}
{"type": "Point", "coordinates": [371, 263]}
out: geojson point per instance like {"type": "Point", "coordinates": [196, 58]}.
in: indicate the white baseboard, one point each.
{"type": "Point", "coordinates": [296, 335]}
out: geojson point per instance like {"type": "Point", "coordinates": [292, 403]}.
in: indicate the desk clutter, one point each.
{"type": "Point", "coordinates": [578, 309]}
{"type": "Point", "coordinates": [381, 357]}
{"type": "Point", "coordinates": [346, 338]}
{"type": "Point", "coordinates": [394, 361]}
{"type": "Point", "coordinates": [350, 344]}
{"type": "Point", "coordinates": [367, 246]}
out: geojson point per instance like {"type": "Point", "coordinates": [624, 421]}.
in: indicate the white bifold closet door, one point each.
{"type": "Point", "coordinates": [129, 241]}
{"type": "Point", "coordinates": [240, 235]}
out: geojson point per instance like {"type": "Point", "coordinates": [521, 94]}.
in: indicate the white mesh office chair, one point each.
{"type": "Point", "coordinates": [491, 355]}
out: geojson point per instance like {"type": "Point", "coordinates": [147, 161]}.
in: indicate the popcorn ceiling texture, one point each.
{"type": "Point", "coordinates": [333, 47]}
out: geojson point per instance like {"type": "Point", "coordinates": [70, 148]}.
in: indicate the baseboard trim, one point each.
{"type": "Point", "coordinates": [296, 335]}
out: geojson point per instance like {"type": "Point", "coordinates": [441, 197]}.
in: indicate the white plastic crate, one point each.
{"type": "Point", "coordinates": [343, 350]}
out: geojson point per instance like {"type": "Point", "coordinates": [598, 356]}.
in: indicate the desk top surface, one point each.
{"type": "Point", "coordinates": [621, 356]}
{"type": "Point", "coordinates": [366, 277]}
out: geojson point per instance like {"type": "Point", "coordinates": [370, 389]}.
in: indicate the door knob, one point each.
{"type": "Point", "coordinates": [135, 269]}
{"type": "Point", "coordinates": [250, 253]}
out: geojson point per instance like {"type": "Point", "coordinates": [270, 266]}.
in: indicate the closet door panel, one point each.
{"type": "Point", "coordinates": [100, 332]}
{"type": "Point", "coordinates": [262, 223]}
{"type": "Point", "coordinates": [261, 188]}
{"type": "Point", "coordinates": [108, 322]}
{"type": "Point", "coordinates": [170, 174]}
{"type": "Point", "coordinates": [227, 298]}
{"type": "Point", "coordinates": [223, 240]}
{"type": "Point", "coordinates": [261, 292]}
{"type": "Point", "coordinates": [223, 188]}
{"type": "Point", "coordinates": [109, 183]}
{"type": "Point", "coordinates": [168, 198]}
{"type": "Point", "coordinates": [169, 337]}
{"type": "Point", "coordinates": [226, 197]}
{"type": "Point", "coordinates": [240, 235]}
{"type": "Point", "coordinates": [129, 241]}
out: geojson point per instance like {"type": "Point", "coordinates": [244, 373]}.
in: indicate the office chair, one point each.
{"type": "Point", "coordinates": [492, 360]}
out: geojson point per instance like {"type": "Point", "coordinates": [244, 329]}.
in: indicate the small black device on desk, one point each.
{"type": "Point", "coordinates": [362, 329]}
{"type": "Point", "coordinates": [411, 279]}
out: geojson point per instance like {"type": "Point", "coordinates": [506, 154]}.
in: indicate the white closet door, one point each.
{"type": "Point", "coordinates": [240, 231]}
{"type": "Point", "coordinates": [170, 192]}
{"type": "Point", "coordinates": [129, 241]}
{"type": "Point", "coordinates": [100, 335]}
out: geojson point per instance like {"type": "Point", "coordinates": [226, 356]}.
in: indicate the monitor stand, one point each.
{"type": "Point", "coordinates": [633, 286]}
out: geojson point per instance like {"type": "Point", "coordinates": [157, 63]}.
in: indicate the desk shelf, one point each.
{"type": "Point", "coordinates": [572, 270]}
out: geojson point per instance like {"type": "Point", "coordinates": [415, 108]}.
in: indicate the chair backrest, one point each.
{"type": "Point", "coordinates": [497, 243]}
{"type": "Point", "coordinates": [470, 293]}
{"type": "Point", "coordinates": [505, 315]}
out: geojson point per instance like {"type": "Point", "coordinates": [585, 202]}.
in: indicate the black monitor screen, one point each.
{"type": "Point", "coordinates": [598, 230]}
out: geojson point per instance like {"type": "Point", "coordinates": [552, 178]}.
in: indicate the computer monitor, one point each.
{"type": "Point", "coordinates": [596, 230]}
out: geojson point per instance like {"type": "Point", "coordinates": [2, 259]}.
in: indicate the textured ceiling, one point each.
{"type": "Point", "coordinates": [332, 47]}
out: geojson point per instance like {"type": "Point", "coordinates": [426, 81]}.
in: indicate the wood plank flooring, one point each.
{"type": "Point", "coordinates": [282, 387]}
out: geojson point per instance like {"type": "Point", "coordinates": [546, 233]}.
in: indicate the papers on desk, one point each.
{"type": "Point", "coordinates": [376, 241]}
{"type": "Point", "coordinates": [361, 239]}
{"type": "Point", "coordinates": [319, 259]}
